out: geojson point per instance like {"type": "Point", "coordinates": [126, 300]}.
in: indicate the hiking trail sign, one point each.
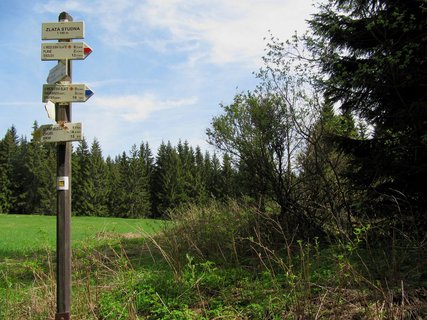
{"type": "Point", "coordinates": [63, 30]}
{"type": "Point", "coordinates": [59, 132]}
{"type": "Point", "coordinates": [65, 50]}
{"type": "Point", "coordinates": [58, 94]}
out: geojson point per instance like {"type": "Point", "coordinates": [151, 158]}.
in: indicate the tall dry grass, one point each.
{"type": "Point", "coordinates": [354, 278]}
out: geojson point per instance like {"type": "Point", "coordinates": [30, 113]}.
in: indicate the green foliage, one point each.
{"type": "Point", "coordinates": [371, 55]}
{"type": "Point", "coordinates": [113, 306]}
{"type": "Point", "coordinates": [5, 192]}
{"type": "Point", "coordinates": [327, 191]}
{"type": "Point", "coordinates": [167, 190]}
{"type": "Point", "coordinates": [259, 132]}
{"type": "Point", "coordinates": [27, 181]}
{"type": "Point", "coordinates": [40, 182]}
{"type": "Point", "coordinates": [8, 156]}
{"type": "Point", "coordinates": [83, 190]}
{"type": "Point", "coordinates": [184, 176]}
{"type": "Point", "coordinates": [131, 191]}
{"type": "Point", "coordinates": [98, 174]}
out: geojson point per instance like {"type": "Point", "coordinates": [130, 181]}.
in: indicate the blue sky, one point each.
{"type": "Point", "coordinates": [159, 68]}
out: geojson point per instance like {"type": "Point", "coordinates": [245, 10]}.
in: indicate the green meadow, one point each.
{"type": "Point", "coordinates": [23, 234]}
{"type": "Point", "coordinates": [205, 263]}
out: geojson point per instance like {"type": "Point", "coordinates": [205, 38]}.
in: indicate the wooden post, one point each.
{"type": "Point", "coordinates": [63, 225]}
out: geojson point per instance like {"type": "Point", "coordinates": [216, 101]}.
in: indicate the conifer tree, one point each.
{"type": "Point", "coordinates": [82, 184]}
{"type": "Point", "coordinates": [187, 178]}
{"type": "Point", "coordinates": [120, 193]}
{"type": "Point", "coordinates": [9, 186]}
{"type": "Point", "coordinates": [113, 193]}
{"type": "Point", "coordinates": [167, 190]}
{"type": "Point", "coordinates": [146, 157]}
{"type": "Point", "coordinates": [200, 177]}
{"type": "Point", "coordinates": [372, 55]}
{"type": "Point", "coordinates": [97, 169]}
{"type": "Point", "coordinates": [214, 177]}
{"type": "Point", "coordinates": [137, 185]}
{"type": "Point", "coordinates": [228, 185]}
{"type": "Point", "coordinates": [40, 177]}
{"type": "Point", "coordinates": [5, 183]}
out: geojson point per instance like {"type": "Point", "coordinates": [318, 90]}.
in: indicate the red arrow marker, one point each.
{"type": "Point", "coordinates": [87, 51]}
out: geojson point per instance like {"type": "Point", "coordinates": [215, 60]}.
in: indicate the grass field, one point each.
{"type": "Point", "coordinates": [23, 234]}
{"type": "Point", "coordinates": [199, 269]}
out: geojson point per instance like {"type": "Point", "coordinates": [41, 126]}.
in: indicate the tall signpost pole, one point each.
{"type": "Point", "coordinates": [63, 220]}
{"type": "Point", "coordinates": [61, 92]}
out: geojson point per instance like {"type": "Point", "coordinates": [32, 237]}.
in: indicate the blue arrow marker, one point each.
{"type": "Point", "coordinates": [88, 93]}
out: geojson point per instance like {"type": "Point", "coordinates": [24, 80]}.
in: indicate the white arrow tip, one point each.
{"type": "Point", "coordinates": [50, 109]}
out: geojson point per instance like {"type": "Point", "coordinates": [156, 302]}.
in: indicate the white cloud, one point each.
{"type": "Point", "coordinates": [133, 108]}
{"type": "Point", "coordinates": [228, 31]}
{"type": "Point", "coordinates": [107, 82]}
{"type": "Point", "coordinates": [218, 32]}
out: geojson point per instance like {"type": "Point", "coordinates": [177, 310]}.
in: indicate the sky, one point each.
{"type": "Point", "coordinates": [159, 69]}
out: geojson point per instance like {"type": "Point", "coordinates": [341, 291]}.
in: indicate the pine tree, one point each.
{"type": "Point", "coordinates": [19, 177]}
{"type": "Point", "coordinates": [137, 185]}
{"type": "Point", "coordinates": [167, 190]}
{"type": "Point", "coordinates": [121, 197]}
{"type": "Point", "coordinates": [123, 189]}
{"type": "Point", "coordinates": [372, 55]}
{"type": "Point", "coordinates": [228, 185]}
{"type": "Point", "coordinates": [97, 169]}
{"type": "Point", "coordinates": [214, 176]}
{"type": "Point", "coordinates": [147, 157]}
{"type": "Point", "coordinates": [82, 183]}
{"type": "Point", "coordinates": [9, 185]}
{"type": "Point", "coordinates": [5, 183]}
{"type": "Point", "coordinates": [112, 177]}
{"type": "Point", "coordinates": [132, 193]}
{"type": "Point", "coordinates": [200, 177]}
{"type": "Point", "coordinates": [40, 177]}
{"type": "Point", "coordinates": [187, 179]}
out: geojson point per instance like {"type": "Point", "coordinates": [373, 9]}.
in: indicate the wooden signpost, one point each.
{"type": "Point", "coordinates": [62, 93]}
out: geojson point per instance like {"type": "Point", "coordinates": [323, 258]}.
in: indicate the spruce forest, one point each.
{"type": "Point", "coordinates": [135, 184]}
{"type": "Point", "coordinates": [312, 206]}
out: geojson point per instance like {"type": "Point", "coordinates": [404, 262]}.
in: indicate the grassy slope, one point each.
{"type": "Point", "coordinates": [22, 234]}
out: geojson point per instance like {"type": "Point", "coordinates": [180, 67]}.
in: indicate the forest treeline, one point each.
{"type": "Point", "coordinates": [333, 137]}
{"type": "Point", "coordinates": [136, 183]}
